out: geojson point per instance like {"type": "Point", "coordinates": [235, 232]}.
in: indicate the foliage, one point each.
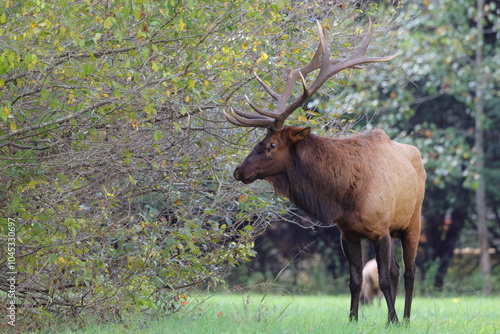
{"type": "Point", "coordinates": [114, 163]}
{"type": "Point", "coordinates": [436, 101]}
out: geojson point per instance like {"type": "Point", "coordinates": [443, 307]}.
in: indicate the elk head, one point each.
{"type": "Point", "coordinates": [269, 156]}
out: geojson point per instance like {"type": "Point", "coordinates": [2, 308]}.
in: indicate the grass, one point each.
{"type": "Point", "coordinates": [313, 314]}
{"type": "Point", "coordinates": [327, 314]}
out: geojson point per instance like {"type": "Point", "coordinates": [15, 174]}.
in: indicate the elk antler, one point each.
{"type": "Point", "coordinates": [327, 68]}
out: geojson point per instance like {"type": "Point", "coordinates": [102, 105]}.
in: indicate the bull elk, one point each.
{"type": "Point", "coordinates": [370, 186]}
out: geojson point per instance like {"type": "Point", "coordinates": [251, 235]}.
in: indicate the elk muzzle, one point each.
{"type": "Point", "coordinates": [239, 175]}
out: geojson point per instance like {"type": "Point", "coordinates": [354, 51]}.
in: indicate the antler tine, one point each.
{"type": "Point", "coordinates": [260, 111]}
{"type": "Point", "coordinates": [321, 53]}
{"type": "Point", "coordinates": [242, 120]}
{"type": "Point", "coordinates": [304, 83]}
{"type": "Point", "coordinates": [366, 41]}
{"type": "Point", "coordinates": [266, 87]}
{"type": "Point", "coordinates": [251, 115]}
{"type": "Point", "coordinates": [360, 52]}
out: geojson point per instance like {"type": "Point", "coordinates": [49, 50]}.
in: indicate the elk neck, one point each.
{"type": "Point", "coordinates": [321, 178]}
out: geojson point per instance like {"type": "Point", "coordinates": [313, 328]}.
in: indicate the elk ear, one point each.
{"type": "Point", "coordinates": [298, 134]}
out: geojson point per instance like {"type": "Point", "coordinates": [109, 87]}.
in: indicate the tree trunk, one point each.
{"type": "Point", "coordinates": [448, 241]}
{"type": "Point", "coordinates": [482, 227]}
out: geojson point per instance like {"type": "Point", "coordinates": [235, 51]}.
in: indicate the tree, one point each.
{"type": "Point", "coordinates": [482, 227]}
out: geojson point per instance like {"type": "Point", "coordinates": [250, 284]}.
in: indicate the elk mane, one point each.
{"type": "Point", "coordinates": [322, 164]}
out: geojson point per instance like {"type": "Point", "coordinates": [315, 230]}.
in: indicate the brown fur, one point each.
{"type": "Point", "coordinates": [368, 185]}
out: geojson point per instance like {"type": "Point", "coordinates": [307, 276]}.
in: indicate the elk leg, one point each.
{"type": "Point", "coordinates": [394, 276]}
{"type": "Point", "coordinates": [384, 255]}
{"type": "Point", "coordinates": [410, 244]}
{"type": "Point", "coordinates": [352, 251]}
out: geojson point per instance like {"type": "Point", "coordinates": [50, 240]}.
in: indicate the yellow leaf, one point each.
{"type": "Point", "coordinates": [13, 126]}
{"type": "Point", "coordinates": [242, 198]}
{"type": "Point", "coordinates": [108, 23]}
{"type": "Point", "coordinates": [32, 185]}
{"type": "Point", "coordinates": [187, 99]}
{"type": "Point", "coordinates": [181, 25]}
{"type": "Point", "coordinates": [71, 98]}
{"type": "Point", "coordinates": [264, 56]}
{"type": "Point", "coordinates": [135, 124]}
{"type": "Point", "coordinates": [155, 66]}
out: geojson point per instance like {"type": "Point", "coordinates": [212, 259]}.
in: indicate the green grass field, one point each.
{"type": "Point", "coordinates": [314, 314]}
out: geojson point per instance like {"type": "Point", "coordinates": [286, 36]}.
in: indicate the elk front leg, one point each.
{"type": "Point", "coordinates": [352, 251]}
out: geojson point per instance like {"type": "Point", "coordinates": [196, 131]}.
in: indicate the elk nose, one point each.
{"type": "Point", "coordinates": [237, 174]}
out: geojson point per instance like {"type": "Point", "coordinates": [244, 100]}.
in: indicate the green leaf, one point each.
{"type": "Point", "coordinates": [73, 231]}
{"type": "Point", "coordinates": [109, 22]}
{"type": "Point", "coordinates": [52, 258]}
{"type": "Point", "coordinates": [97, 37]}
{"type": "Point", "coordinates": [157, 135]}
{"type": "Point", "coordinates": [88, 69]}
{"type": "Point", "coordinates": [145, 53]}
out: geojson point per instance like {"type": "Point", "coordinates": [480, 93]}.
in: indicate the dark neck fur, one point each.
{"type": "Point", "coordinates": [305, 185]}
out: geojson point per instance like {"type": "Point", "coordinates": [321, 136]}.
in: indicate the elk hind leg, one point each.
{"type": "Point", "coordinates": [384, 254]}
{"type": "Point", "coordinates": [394, 273]}
{"type": "Point", "coordinates": [409, 242]}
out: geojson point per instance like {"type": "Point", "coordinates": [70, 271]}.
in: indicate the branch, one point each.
{"type": "Point", "coordinates": [49, 123]}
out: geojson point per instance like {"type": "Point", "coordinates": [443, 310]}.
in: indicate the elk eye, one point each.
{"type": "Point", "coordinates": [272, 146]}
